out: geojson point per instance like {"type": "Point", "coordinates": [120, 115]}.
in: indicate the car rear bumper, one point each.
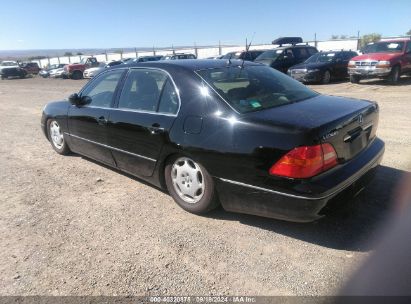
{"type": "Point", "coordinates": [301, 206]}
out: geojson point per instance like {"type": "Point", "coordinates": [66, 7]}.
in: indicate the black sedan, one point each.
{"type": "Point", "coordinates": [216, 131]}
{"type": "Point", "coordinates": [323, 67]}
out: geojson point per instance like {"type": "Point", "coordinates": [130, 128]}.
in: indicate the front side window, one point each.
{"type": "Point", "coordinates": [255, 88]}
{"type": "Point", "coordinates": [148, 90]}
{"type": "Point", "coordinates": [408, 50]}
{"type": "Point", "coordinates": [101, 90]}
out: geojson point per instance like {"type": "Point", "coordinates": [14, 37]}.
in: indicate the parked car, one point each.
{"type": "Point", "coordinates": [178, 56]}
{"type": "Point", "coordinates": [57, 73]}
{"type": "Point", "coordinates": [11, 69]}
{"type": "Point", "coordinates": [31, 67]}
{"type": "Point", "coordinates": [284, 57]}
{"type": "Point", "coordinates": [385, 59]}
{"type": "Point", "coordinates": [129, 60]}
{"type": "Point", "coordinates": [209, 131]}
{"type": "Point", "coordinates": [46, 72]}
{"type": "Point", "coordinates": [243, 55]}
{"type": "Point", "coordinates": [9, 64]}
{"type": "Point", "coordinates": [323, 67]}
{"type": "Point", "coordinates": [146, 59]}
{"type": "Point", "coordinates": [91, 72]}
{"type": "Point", "coordinates": [76, 70]}
{"type": "Point", "coordinates": [216, 57]}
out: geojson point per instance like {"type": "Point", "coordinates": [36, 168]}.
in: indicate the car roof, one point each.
{"type": "Point", "coordinates": [191, 64]}
{"type": "Point", "coordinates": [395, 40]}
{"type": "Point", "coordinates": [292, 46]}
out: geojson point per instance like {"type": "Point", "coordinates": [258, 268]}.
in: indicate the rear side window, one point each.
{"type": "Point", "coordinates": [169, 99]}
{"type": "Point", "coordinates": [300, 53]}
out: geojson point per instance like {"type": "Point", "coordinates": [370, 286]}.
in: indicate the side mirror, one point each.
{"type": "Point", "coordinates": [78, 101]}
{"type": "Point", "coordinates": [74, 99]}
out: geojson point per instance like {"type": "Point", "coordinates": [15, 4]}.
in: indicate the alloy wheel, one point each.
{"type": "Point", "coordinates": [56, 135]}
{"type": "Point", "coordinates": [188, 180]}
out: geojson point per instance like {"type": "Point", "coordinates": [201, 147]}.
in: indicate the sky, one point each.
{"type": "Point", "coordinates": [58, 24]}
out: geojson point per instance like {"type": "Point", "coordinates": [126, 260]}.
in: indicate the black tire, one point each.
{"type": "Point", "coordinates": [3, 77]}
{"type": "Point", "coordinates": [326, 77]}
{"type": "Point", "coordinates": [208, 200]}
{"type": "Point", "coordinates": [77, 75]}
{"type": "Point", "coordinates": [62, 149]}
{"type": "Point", "coordinates": [355, 79]}
{"type": "Point", "coordinates": [395, 75]}
{"type": "Point", "coordinates": [23, 75]}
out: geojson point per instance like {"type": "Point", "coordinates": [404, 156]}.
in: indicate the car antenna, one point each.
{"type": "Point", "coordinates": [247, 47]}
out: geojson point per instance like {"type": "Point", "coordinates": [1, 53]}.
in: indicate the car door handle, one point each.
{"type": "Point", "coordinates": [156, 128]}
{"type": "Point", "coordinates": [102, 120]}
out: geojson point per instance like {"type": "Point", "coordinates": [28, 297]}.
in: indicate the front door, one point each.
{"type": "Point", "coordinates": [139, 126]}
{"type": "Point", "coordinates": [87, 124]}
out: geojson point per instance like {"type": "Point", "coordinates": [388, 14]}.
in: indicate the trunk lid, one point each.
{"type": "Point", "coordinates": [348, 124]}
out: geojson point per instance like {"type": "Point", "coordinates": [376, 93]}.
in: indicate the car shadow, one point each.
{"type": "Point", "coordinates": [349, 226]}
{"type": "Point", "coordinates": [404, 80]}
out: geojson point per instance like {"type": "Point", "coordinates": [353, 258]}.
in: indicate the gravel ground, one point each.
{"type": "Point", "coordinates": [70, 226]}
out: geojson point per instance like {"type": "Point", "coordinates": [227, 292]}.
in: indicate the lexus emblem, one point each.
{"type": "Point", "coordinates": [360, 119]}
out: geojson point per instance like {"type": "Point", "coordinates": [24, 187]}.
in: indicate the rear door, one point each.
{"type": "Point", "coordinates": [140, 124]}
{"type": "Point", "coordinates": [87, 124]}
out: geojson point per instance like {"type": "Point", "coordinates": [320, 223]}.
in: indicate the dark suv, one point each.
{"type": "Point", "coordinates": [244, 55]}
{"type": "Point", "coordinates": [31, 67]}
{"type": "Point", "coordinates": [284, 57]}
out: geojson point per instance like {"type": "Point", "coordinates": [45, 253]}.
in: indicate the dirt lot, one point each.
{"type": "Point", "coordinates": [70, 226]}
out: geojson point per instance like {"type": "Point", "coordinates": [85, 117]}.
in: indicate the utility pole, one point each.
{"type": "Point", "coordinates": [358, 40]}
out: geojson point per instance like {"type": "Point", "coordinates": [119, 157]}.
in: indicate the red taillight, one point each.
{"type": "Point", "coordinates": [304, 162]}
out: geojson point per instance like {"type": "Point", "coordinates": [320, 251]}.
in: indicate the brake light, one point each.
{"type": "Point", "coordinates": [305, 162]}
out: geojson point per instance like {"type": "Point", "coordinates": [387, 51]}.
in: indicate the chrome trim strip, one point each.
{"type": "Point", "coordinates": [271, 191]}
{"type": "Point", "coordinates": [111, 148]}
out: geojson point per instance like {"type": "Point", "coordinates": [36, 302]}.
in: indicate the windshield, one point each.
{"type": "Point", "coordinates": [272, 54]}
{"type": "Point", "coordinates": [384, 47]}
{"type": "Point", "coordinates": [254, 88]}
{"type": "Point", "coordinates": [321, 57]}
{"type": "Point", "coordinates": [9, 63]}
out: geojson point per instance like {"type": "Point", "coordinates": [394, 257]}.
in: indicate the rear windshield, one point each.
{"type": "Point", "coordinates": [254, 88]}
{"type": "Point", "coordinates": [322, 57]}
